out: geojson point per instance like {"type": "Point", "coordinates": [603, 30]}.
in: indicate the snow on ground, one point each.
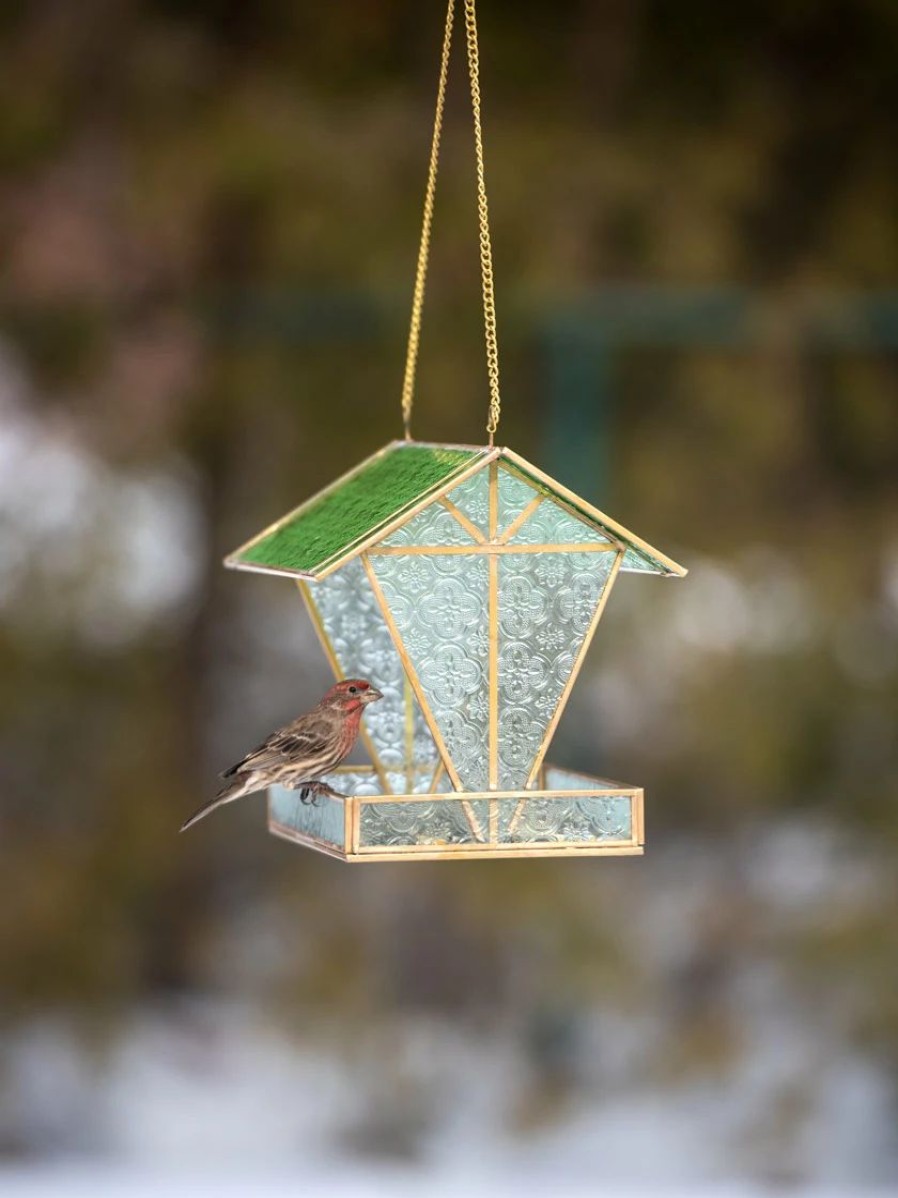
{"type": "Point", "coordinates": [216, 1101]}
{"type": "Point", "coordinates": [79, 1180]}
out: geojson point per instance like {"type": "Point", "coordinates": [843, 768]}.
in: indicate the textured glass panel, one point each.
{"type": "Point", "coordinates": [640, 560]}
{"type": "Point", "coordinates": [546, 603]}
{"type": "Point", "coordinates": [473, 498]}
{"type": "Point", "coordinates": [362, 782]}
{"type": "Point", "coordinates": [434, 526]}
{"type": "Point", "coordinates": [551, 524]}
{"type": "Point", "coordinates": [514, 495]}
{"type": "Point", "coordinates": [400, 784]}
{"type": "Point", "coordinates": [364, 648]}
{"type": "Point", "coordinates": [637, 562]}
{"type": "Point", "coordinates": [440, 605]}
{"type": "Point", "coordinates": [571, 821]}
{"type": "Point", "coordinates": [323, 819]}
{"type": "Point", "coordinates": [442, 822]}
{"type": "Point", "coordinates": [558, 779]}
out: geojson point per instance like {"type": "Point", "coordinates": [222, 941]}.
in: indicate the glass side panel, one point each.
{"type": "Point", "coordinates": [566, 821]}
{"type": "Point", "coordinates": [514, 495]}
{"type": "Point", "coordinates": [473, 498]}
{"type": "Point", "coordinates": [361, 641]}
{"type": "Point", "coordinates": [418, 784]}
{"type": "Point", "coordinates": [365, 782]}
{"type": "Point", "coordinates": [551, 524]}
{"type": "Point", "coordinates": [362, 782]}
{"type": "Point", "coordinates": [323, 819]}
{"type": "Point", "coordinates": [434, 526]}
{"type": "Point", "coordinates": [559, 779]}
{"type": "Point", "coordinates": [546, 603]}
{"type": "Point", "coordinates": [640, 560]}
{"type": "Point", "coordinates": [637, 562]}
{"type": "Point", "coordinates": [440, 605]}
{"type": "Point", "coordinates": [443, 822]}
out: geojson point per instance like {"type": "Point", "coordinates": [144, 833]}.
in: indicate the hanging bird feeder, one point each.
{"type": "Point", "coordinates": [467, 585]}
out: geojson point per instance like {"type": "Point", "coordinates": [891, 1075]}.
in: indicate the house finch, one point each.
{"type": "Point", "coordinates": [301, 753]}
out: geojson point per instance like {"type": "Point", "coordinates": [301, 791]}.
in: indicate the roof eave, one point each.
{"type": "Point", "coordinates": [674, 569]}
{"type": "Point", "coordinates": [386, 528]}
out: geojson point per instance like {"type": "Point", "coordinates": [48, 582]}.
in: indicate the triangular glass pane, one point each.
{"type": "Point", "coordinates": [636, 562]}
{"type": "Point", "coordinates": [441, 605]}
{"type": "Point", "coordinates": [514, 495]}
{"type": "Point", "coordinates": [362, 644]}
{"type": "Point", "coordinates": [472, 497]}
{"type": "Point", "coordinates": [546, 604]}
{"type": "Point", "coordinates": [433, 527]}
{"type": "Point", "coordinates": [551, 524]}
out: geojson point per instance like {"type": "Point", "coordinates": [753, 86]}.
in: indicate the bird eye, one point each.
{"type": "Point", "coordinates": [353, 690]}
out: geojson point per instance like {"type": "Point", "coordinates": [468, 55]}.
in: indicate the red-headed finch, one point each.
{"type": "Point", "coordinates": [302, 752]}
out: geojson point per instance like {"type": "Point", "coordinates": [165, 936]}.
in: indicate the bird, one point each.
{"type": "Point", "coordinates": [302, 752]}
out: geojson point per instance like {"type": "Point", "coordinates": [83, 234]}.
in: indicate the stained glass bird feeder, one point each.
{"type": "Point", "coordinates": [467, 585]}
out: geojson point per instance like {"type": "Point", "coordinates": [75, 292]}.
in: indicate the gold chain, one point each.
{"type": "Point", "coordinates": [414, 332]}
{"type": "Point", "coordinates": [486, 253]}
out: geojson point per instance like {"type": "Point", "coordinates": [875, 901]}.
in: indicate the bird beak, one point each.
{"type": "Point", "coordinates": [372, 695]}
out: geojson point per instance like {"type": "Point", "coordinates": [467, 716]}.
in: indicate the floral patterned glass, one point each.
{"type": "Point", "coordinates": [546, 603]}
{"type": "Point", "coordinates": [473, 498]}
{"type": "Point", "coordinates": [434, 526]}
{"type": "Point", "coordinates": [323, 819]}
{"type": "Point", "coordinates": [445, 821]}
{"type": "Point", "coordinates": [552, 524]}
{"type": "Point", "coordinates": [440, 605]}
{"type": "Point", "coordinates": [514, 495]}
{"type": "Point", "coordinates": [363, 781]}
{"type": "Point", "coordinates": [602, 818]}
{"type": "Point", "coordinates": [364, 648]}
{"type": "Point", "coordinates": [420, 783]}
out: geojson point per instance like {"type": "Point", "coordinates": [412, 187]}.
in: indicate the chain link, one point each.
{"type": "Point", "coordinates": [414, 332]}
{"type": "Point", "coordinates": [486, 253]}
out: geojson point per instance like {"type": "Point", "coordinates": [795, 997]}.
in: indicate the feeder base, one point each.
{"type": "Point", "coordinates": [568, 814]}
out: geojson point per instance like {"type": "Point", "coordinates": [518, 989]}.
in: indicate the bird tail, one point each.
{"type": "Point", "coordinates": [243, 784]}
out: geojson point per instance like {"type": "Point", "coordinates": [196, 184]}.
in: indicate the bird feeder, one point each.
{"type": "Point", "coordinates": [466, 585]}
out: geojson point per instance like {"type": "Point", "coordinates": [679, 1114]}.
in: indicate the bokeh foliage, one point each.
{"type": "Point", "coordinates": [209, 214]}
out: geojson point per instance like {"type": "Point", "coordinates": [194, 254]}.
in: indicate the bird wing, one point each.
{"type": "Point", "coordinates": [309, 742]}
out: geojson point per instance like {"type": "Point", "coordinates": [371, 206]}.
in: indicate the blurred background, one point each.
{"type": "Point", "coordinates": [209, 215]}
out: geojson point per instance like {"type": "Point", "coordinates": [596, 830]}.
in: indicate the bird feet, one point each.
{"type": "Point", "coordinates": [310, 793]}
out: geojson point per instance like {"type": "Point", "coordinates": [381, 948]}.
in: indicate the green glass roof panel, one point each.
{"type": "Point", "coordinates": [351, 510]}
